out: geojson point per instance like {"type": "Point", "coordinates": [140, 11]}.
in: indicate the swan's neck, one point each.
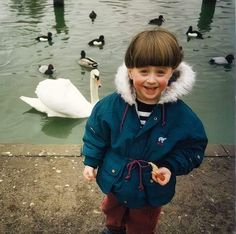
{"type": "Point", "coordinates": [93, 91]}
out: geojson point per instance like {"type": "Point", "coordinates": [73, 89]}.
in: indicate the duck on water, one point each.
{"type": "Point", "coordinates": [44, 38]}
{"type": "Point", "coordinates": [87, 61]}
{"type": "Point", "coordinates": [227, 60]}
{"type": "Point", "coordinates": [193, 33]}
{"type": "Point", "coordinates": [46, 69]}
{"type": "Point", "coordinates": [98, 41]}
{"type": "Point", "coordinates": [157, 21]}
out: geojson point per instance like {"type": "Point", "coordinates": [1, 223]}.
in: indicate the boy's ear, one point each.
{"type": "Point", "coordinates": [130, 74]}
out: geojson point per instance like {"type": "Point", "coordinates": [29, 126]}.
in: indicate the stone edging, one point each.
{"type": "Point", "coordinates": [74, 150]}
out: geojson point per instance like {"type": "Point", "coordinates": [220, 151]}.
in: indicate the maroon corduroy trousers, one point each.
{"type": "Point", "coordinates": [136, 221]}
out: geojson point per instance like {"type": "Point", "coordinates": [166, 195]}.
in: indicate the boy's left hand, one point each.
{"type": "Point", "coordinates": [162, 175]}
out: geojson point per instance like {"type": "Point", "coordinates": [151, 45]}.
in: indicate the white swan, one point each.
{"type": "Point", "coordinates": [60, 98]}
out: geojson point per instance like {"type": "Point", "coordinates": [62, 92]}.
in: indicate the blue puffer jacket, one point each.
{"type": "Point", "coordinates": [115, 142]}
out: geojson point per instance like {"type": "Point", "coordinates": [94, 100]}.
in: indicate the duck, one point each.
{"type": "Point", "coordinates": [46, 69]}
{"type": "Point", "coordinates": [60, 97]}
{"type": "Point", "coordinates": [44, 38]}
{"type": "Point", "coordinates": [157, 21]}
{"type": "Point", "coordinates": [193, 33]}
{"type": "Point", "coordinates": [222, 60]}
{"type": "Point", "coordinates": [92, 15]}
{"type": "Point", "coordinates": [86, 61]}
{"type": "Point", "coordinates": [97, 42]}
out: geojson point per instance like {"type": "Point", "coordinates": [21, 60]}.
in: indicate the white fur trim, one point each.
{"type": "Point", "coordinates": [182, 86]}
{"type": "Point", "coordinates": [123, 85]}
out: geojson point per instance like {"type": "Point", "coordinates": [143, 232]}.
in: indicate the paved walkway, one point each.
{"type": "Point", "coordinates": [42, 191]}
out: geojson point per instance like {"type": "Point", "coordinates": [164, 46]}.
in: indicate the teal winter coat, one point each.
{"type": "Point", "coordinates": [116, 144]}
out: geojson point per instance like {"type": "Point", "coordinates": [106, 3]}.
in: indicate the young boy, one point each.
{"type": "Point", "coordinates": [143, 124]}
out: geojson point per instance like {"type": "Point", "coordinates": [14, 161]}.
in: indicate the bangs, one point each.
{"type": "Point", "coordinates": [153, 48]}
{"type": "Point", "coordinates": [152, 55]}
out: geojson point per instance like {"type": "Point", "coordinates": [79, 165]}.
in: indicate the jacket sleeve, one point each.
{"type": "Point", "coordinates": [187, 154]}
{"type": "Point", "coordinates": [96, 138]}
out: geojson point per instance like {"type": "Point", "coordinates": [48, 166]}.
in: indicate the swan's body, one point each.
{"type": "Point", "coordinates": [60, 98]}
{"type": "Point", "coordinates": [86, 61]}
{"type": "Point", "coordinates": [46, 69]}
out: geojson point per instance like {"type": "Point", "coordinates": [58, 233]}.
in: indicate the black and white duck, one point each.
{"type": "Point", "coordinates": [44, 38]}
{"type": "Point", "coordinates": [193, 33]}
{"type": "Point", "coordinates": [46, 69]}
{"type": "Point", "coordinates": [98, 41]}
{"type": "Point", "coordinates": [227, 60]}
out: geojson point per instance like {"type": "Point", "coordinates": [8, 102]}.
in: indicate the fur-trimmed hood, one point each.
{"type": "Point", "coordinates": [180, 85]}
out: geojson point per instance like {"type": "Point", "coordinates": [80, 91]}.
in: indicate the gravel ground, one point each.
{"type": "Point", "coordinates": [49, 195]}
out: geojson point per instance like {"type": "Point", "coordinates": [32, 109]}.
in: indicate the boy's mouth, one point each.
{"type": "Point", "coordinates": [150, 89]}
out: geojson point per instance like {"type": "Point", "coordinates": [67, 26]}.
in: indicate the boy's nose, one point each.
{"type": "Point", "coordinates": [151, 78]}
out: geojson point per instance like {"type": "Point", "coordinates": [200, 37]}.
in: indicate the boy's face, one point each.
{"type": "Point", "coordinates": [149, 82]}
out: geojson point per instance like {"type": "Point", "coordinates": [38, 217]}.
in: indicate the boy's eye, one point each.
{"type": "Point", "coordinates": [161, 72]}
{"type": "Point", "coordinates": [143, 71]}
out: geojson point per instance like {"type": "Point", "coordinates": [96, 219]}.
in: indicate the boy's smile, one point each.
{"type": "Point", "coordinates": [149, 82]}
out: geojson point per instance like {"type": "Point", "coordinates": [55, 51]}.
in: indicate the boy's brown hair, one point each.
{"type": "Point", "coordinates": [153, 48]}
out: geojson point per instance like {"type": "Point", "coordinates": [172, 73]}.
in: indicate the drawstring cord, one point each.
{"type": "Point", "coordinates": [163, 115]}
{"type": "Point", "coordinates": [124, 116]}
{"type": "Point", "coordinates": [132, 165]}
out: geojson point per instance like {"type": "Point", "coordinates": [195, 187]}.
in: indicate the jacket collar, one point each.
{"type": "Point", "coordinates": [181, 86]}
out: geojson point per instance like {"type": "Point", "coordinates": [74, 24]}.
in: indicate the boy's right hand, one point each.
{"type": "Point", "coordinates": [89, 173]}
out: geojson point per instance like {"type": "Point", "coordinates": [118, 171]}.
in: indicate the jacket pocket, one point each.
{"type": "Point", "coordinates": [109, 172]}
{"type": "Point", "coordinates": [158, 195]}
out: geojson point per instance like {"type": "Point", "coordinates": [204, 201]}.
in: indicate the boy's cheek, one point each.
{"type": "Point", "coordinates": [163, 84]}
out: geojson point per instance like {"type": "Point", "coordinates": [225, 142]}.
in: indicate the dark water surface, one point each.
{"type": "Point", "coordinates": [20, 55]}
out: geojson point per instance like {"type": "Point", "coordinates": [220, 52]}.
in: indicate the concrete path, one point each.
{"type": "Point", "coordinates": [42, 191]}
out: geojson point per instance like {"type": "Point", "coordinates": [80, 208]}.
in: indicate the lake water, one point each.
{"type": "Point", "coordinates": [23, 20]}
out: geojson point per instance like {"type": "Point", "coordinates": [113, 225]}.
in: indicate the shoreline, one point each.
{"type": "Point", "coordinates": [74, 150]}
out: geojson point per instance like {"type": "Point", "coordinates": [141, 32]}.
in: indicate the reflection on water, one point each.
{"type": "Point", "coordinates": [59, 127]}
{"type": "Point", "coordinates": [23, 20]}
{"type": "Point", "coordinates": [55, 127]}
{"type": "Point", "coordinates": [32, 8]}
{"type": "Point", "coordinates": [60, 20]}
{"type": "Point", "coordinates": [206, 15]}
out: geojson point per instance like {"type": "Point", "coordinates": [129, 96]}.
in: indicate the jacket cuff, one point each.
{"type": "Point", "coordinates": [167, 165]}
{"type": "Point", "coordinates": [92, 162]}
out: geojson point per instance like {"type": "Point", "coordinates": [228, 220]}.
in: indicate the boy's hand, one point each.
{"type": "Point", "coordinates": [161, 175]}
{"type": "Point", "coordinates": [89, 173]}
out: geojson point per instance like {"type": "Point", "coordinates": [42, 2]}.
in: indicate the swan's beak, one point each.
{"type": "Point", "coordinates": [98, 82]}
